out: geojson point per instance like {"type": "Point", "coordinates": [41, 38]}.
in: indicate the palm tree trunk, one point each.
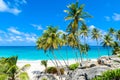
{"type": "Point", "coordinates": [108, 51]}
{"type": "Point", "coordinates": [85, 49]}
{"type": "Point", "coordinates": [57, 67]}
{"type": "Point", "coordinates": [67, 55]}
{"type": "Point", "coordinates": [50, 59]}
{"type": "Point", "coordinates": [79, 49]}
{"type": "Point", "coordinates": [63, 60]}
{"type": "Point", "coordinates": [98, 49]}
{"type": "Point", "coordinates": [81, 56]}
{"type": "Point", "coordinates": [13, 77]}
{"type": "Point", "coordinates": [76, 56]}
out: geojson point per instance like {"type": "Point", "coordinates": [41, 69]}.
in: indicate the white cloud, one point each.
{"type": "Point", "coordinates": [101, 31]}
{"type": "Point", "coordinates": [116, 17]}
{"type": "Point", "coordinates": [39, 27]}
{"type": "Point", "coordinates": [91, 27]}
{"type": "Point", "coordinates": [107, 18]}
{"type": "Point", "coordinates": [13, 35]}
{"type": "Point", "coordinates": [62, 31]}
{"type": "Point", "coordinates": [31, 39]}
{"type": "Point", "coordinates": [6, 7]}
{"type": "Point", "coordinates": [14, 30]}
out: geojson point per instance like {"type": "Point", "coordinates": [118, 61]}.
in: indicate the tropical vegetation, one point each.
{"type": "Point", "coordinates": [10, 71]}
{"type": "Point", "coordinates": [77, 36]}
{"type": "Point", "coordinates": [109, 75]}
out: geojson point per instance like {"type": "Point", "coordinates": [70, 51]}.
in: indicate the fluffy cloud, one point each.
{"type": "Point", "coordinates": [5, 7]}
{"type": "Point", "coordinates": [14, 30]}
{"type": "Point", "coordinates": [31, 39]}
{"type": "Point", "coordinates": [38, 27]}
{"type": "Point", "coordinates": [14, 35]}
{"type": "Point", "coordinates": [91, 27]}
{"type": "Point", "coordinates": [101, 31]}
{"type": "Point", "coordinates": [116, 17]}
{"type": "Point", "coordinates": [62, 31]}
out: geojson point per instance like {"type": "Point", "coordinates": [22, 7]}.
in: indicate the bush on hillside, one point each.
{"type": "Point", "coordinates": [53, 70]}
{"type": "Point", "coordinates": [74, 66]}
{"type": "Point", "coordinates": [109, 75]}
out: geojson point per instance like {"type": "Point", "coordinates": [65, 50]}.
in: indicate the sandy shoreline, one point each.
{"type": "Point", "coordinates": [36, 65]}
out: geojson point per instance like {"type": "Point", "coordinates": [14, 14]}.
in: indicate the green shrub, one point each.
{"type": "Point", "coordinates": [73, 66]}
{"type": "Point", "coordinates": [109, 75]}
{"type": "Point", "coordinates": [44, 79]}
{"type": "Point", "coordinates": [62, 71]}
{"type": "Point", "coordinates": [53, 70]}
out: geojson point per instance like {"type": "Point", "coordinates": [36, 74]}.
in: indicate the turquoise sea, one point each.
{"type": "Point", "coordinates": [31, 52]}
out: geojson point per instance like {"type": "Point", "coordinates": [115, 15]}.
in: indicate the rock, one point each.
{"type": "Point", "coordinates": [96, 71]}
{"type": "Point", "coordinates": [44, 76]}
{"type": "Point", "coordinates": [89, 73]}
{"type": "Point", "coordinates": [87, 64]}
{"type": "Point", "coordinates": [116, 59]}
{"type": "Point", "coordinates": [48, 77]}
{"type": "Point", "coordinates": [92, 65]}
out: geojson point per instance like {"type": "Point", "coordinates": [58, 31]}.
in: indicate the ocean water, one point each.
{"type": "Point", "coordinates": [31, 52]}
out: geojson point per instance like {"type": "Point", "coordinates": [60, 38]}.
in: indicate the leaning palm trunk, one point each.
{"type": "Point", "coordinates": [76, 55]}
{"type": "Point", "coordinates": [85, 49]}
{"type": "Point", "coordinates": [98, 49]}
{"type": "Point", "coordinates": [50, 59]}
{"type": "Point", "coordinates": [80, 56]}
{"type": "Point", "coordinates": [67, 55]}
{"type": "Point", "coordinates": [108, 51]}
{"type": "Point", "coordinates": [63, 59]}
{"type": "Point", "coordinates": [57, 67]}
{"type": "Point", "coordinates": [79, 49]}
{"type": "Point", "coordinates": [53, 61]}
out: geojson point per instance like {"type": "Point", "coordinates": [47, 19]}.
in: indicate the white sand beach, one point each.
{"type": "Point", "coordinates": [36, 65]}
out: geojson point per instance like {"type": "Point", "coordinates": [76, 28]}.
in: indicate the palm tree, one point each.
{"type": "Point", "coordinates": [84, 33]}
{"type": "Point", "coordinates": [111, 31]}
{"type": "Point", "coordinates": [10, 71]}
{"type": "Point", "coordinates": [76, 15]}
{"type": "Point", "coordinates": [96, 35]}
{"type": "Point", "coordinates": [44, 63]}
{"type": "Point", "coordinates": [65, 40]}
{"type": "Point", "coordinates": [116, 48]}
{"type": "Point", "coordinates": [118, 35]}
{"type": "Point", "coordinates": [72, 42]}
{"type": "Point", "coordinates": [107, 42]}
{"type": "Point", "coordinates": [50, 41]}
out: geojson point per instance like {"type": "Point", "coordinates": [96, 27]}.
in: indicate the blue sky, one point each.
{"type": "Point", "coordinates": [23, 21]}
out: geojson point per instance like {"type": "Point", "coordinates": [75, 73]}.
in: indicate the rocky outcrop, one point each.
{"type": "Point", "coordinates": [89, 73]}
{"type": "Point", "coordinates": [89, 70]}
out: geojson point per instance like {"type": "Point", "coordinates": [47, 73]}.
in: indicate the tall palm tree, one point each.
{"type": "Point", "coordinates": [51, 40]}
{"type": "Point", "coordinates": [107, 42]}
{"type": "Point", "coordinates": [96, 35]}
{"type": "Point", "coordinates": [73, 43]}
{"type": "Point", "coordinates": [118, 35]}
{"type": "Point", "coordinates": [10, 71]}
{"type": "Point", "coordinates": [76, 15]}
{"type": "Point", "coordinates": [65, 40]}
{"type": "Point", "coordinates": [84, 34]}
